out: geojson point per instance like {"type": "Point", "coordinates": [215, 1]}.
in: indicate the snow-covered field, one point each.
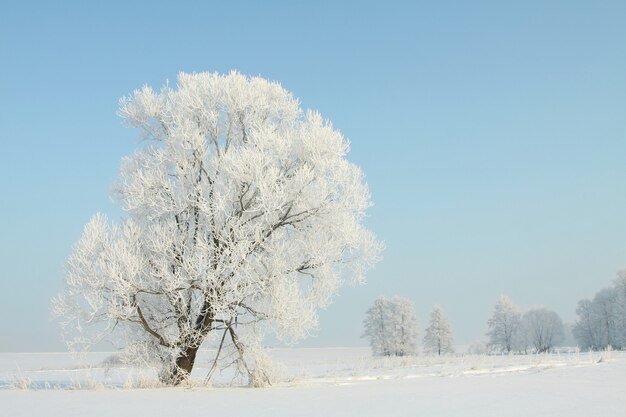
{"type": "Point", "coordinates": [324, 382]}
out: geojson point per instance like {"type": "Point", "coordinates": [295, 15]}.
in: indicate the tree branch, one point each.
{"type": "Point", "coordinates": [147, 327]}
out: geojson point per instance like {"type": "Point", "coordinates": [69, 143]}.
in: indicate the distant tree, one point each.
{"type": "Point", "coordinates": [377, 327]}
{"type": "Point", "coordinates": [601, 321]}
{"type": "Point", "coordinates": [438, 338]}
{"type": "Point", "coordinates": [608, 317]}
{"type": "Point", "coordinates": [240, 209]}
{"type": "Point", "coordinates": [405, 324]}
{"type": "Point", "coordinates": [503, 325]}
{"type": "Point", "coordinates": [391, 326]}
{"type": "Point", "coordinates": [620, 286]}
{"type": "Point", "coordinates": [544, 329]}
{"type": "Point", "coordinates": [586, 330]}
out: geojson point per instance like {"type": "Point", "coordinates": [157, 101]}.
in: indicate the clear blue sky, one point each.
{"type": "Point", "coordinates": [492, 136]}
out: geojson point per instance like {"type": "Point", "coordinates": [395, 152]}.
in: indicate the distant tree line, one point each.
{"type": "Point", "coordinates": [392, 329]}
{"type": "Point", "coordinates": [601, 322]}
{"type": "Point", "coordinates": [391, 326]}
{"type": "Point", "coordinates": [538, 330]}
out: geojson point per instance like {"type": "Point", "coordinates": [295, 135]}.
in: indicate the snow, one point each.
{"type": "Point", "coordinates": [327, 382]}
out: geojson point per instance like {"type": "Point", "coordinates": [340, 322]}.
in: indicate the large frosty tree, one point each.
{"type": "Point", "coordinates": [391, 326]}
{"type": "Point", "coordinates": [241, 209]}
{"type": "Point", "coordinates": [503, 325]}
{"type": "Point", "coordinates": [438, 338]}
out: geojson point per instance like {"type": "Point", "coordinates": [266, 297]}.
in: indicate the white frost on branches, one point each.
{"type": "Point", "coordinates": [438, 338]}
{"type": "Point", "coordinates": [391, 326]}
{"type": "Point", "coordinates": [504, 325]}
{"type": "Point", "coordinates": [241, 208]}
{"type": "Point", "coordinates": [543, 329]}
{"type": "Point", "coordinates": [601, 321]}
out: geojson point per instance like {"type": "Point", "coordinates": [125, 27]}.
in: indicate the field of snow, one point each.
{"type": "Point", "coordinates": [324, 382]}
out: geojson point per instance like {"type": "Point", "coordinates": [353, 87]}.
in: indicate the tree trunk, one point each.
{"type": "Point", "coordinates": [187, 357]}
{"type": "Point", "coordinates": [181, 371]}
{"type": "Point", "coordinates": [186, 360]}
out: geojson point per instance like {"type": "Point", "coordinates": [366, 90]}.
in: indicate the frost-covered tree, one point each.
{"type": "Point", "coordinates": [620, 299]}
{"type": "Point", "coordinates": [438, 338]}
{"type": "Point", "coordinates": [503, 325]}
{"type": "Point", "coordinates": [406, 327]}
{"type": "Point", "coordinates": [607, 317]}
{"type": "Point", "coordinates": [377, 328]}
{"type": "Point", "coordinates": [391, 326]}
{"type": "Point", "coordinates": [544, 329]}
{"type": "Point", "coordinates": [241, 209]}
{"type": "Point", "coordinates": [601, 321]}
{"type": "Point", "coordinates": [586, 329]}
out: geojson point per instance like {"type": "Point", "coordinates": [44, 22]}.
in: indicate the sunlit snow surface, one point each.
{"type": "Point", "coordinates": [324, 382]}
